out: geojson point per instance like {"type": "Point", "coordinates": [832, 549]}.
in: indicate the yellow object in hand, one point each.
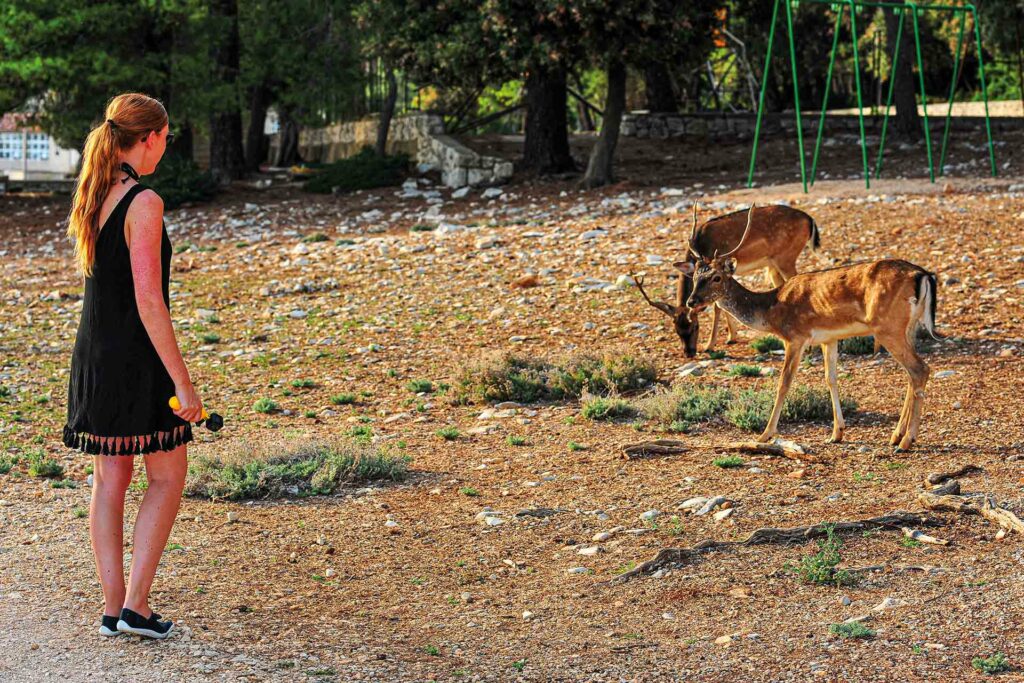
{"type": "Point", "coordinates": [175, 404]}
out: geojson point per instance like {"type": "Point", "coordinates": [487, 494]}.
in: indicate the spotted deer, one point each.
{"type": "Point", "coordinates": [777, 237]}
{"type": "Point", "coordinates": [887, 298]}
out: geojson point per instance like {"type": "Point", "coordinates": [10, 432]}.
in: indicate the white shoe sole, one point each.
{"type": "Point", "coordinates": [104, 631]}
{"type": "Point", "coordinates": [123, 627]}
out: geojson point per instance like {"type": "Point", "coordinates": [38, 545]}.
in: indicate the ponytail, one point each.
{"type": "Point", "coordinates": [128, 117]}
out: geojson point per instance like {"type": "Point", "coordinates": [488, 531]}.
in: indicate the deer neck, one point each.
{"type": "Point", "coordinates": [749, 307]}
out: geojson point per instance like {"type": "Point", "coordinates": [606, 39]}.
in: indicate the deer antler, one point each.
{"type": "Point", "coordinates": [660, 305]}
{"type": "Point", "coordinates": [693, 233]}
{"type": "Point", "coordinates": [746, 231]}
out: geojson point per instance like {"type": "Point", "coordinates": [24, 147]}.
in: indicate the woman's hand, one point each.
{"type": "Point", "coordinates": [191, 405]}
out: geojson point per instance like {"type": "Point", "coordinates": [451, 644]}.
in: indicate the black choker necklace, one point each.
{"type": "Point", "coordinates": [127, 168]}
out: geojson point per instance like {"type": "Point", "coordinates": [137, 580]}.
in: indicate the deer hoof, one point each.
{"type": "Point", "coordinates": [766, 437]}
{"type": "Point", "coordinates": [837, 437]}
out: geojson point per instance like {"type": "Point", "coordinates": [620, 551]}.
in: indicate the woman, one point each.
{"type": "Point", "coordinates": [126, 363]}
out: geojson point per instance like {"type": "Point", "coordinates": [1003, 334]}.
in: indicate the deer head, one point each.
{"type": "Point", "coordinates": [712, 274]}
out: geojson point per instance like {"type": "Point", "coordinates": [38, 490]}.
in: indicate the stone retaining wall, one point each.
{"type": "Point", "coordinates": [661, 126]}
{"type": "Point", "coordinates": [421, 136]}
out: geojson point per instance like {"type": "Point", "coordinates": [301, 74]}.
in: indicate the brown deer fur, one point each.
{"type": "Point", "coordinates": [777, 237]}
{"type": "Point", "coordinates": [887, 299]}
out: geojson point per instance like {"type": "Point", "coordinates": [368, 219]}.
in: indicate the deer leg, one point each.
{"type": "Point", "coordinates": [830, 352]}
{"type": "Point", "coordinates": [901, 425]}
{"type": "Point", "coordinates": [730, 324]}
{"type": "Point", "coordinates": [774, 276]}
{"type": "Point", "coordinates": [903, 351]}
{"type": "Point", "coordinates": [714, 328]}
{"type": "Point", "coordinates": [794, 350]}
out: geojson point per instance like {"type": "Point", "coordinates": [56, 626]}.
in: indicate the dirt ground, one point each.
{"type": "Point", "coordinates": [443, 597]}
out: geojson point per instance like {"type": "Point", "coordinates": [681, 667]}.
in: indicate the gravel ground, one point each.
{"type": "Point", "coordinates": [380, 301]}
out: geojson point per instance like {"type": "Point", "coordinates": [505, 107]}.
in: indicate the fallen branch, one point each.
{"type": "Point", "coordinates": [983, 505]}
{"type": "Point", "coordinates": [648, 448]}
{"type": "Point", "coordinates": [781, 449]}
{"type": "Point", "coordinates": [938, 477]}
{"type": "Point", "coordinates": [672, 557]}
{"type": "Point", "coordinates": [922, 538]}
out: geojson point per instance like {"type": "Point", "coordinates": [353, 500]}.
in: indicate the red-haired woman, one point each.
{"type": "Point", "coordinates": [126, 361]}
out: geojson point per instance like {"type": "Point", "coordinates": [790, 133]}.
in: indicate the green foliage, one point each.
{"type": "Point", "coordinates": [820, 568]}
{"type": "Point", "coordinates": [6, 464]}
{"type": "Point", "coordinates": [302, 383]}
{"type": "Point", "coordinates": [448, 433]}
{"type": "Point", "coordinates": [767, 343]}
{"type": "Point", "coordinates": [728, 462]}
{"type": "Point", "coordinates": [343, 399]}
{"type": "Point", "coordinates": [573, 446]}
{"type": "Point", "coordinates": [601, 408]}
{"type": "Point", "coordinates": [291, 467]}
{"type": "Point", "coordinates": [265, 405]}
{"type": "Point", "coordinates": [513, 440]}
{"type": "Point", "coordinates": [857, 346]}
{"type": "Point", "coordinates": [991, 665]}
{"type": "Point", "coordinates": [420, 386]}
{"type": "Point", "coordinates": [751, 408]}
{"type": "Point", "coordinates": [179, 180]}
{"type": "Point", "coordinates": [523, 379]}
{"type": "Point", "coordinates": [210, 338]}
{"type": "Point", "coordinates": [742, 370]}
{"type": "Point", "coordinates": [41, 466]}
{"type": "Point", "coordinates": [684, 405]}
{"type": "Point", "coordinates": [363, 171]}
{"type": "Point", "coordinates": [851, 629]}
{"type": "Point", "coordinates": [469, 491]}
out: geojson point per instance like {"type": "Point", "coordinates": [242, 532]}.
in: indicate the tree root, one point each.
{"type": "Point", "coordinates": [983, 505]}
{"type": "Point", "coordinates": [674, 557]}
{"type": "Point", "coordinates": [937, 478]}
{"type": "Point", "coordinates": [784, 450]}
{"type": "Point", "coordinates": [649, 448]}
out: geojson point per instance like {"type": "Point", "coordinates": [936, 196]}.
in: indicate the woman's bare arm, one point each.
{"type": "Point", "coordinates": [144, 225]}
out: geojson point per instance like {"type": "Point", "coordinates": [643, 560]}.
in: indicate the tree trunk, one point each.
{"type": "Point", "coordinates": [227, 155]}
{"type": "Point", "coordinates": [546, 148]}
{"type": "Point", "coordinates": [907, 122]}
{"type": "Point", "coordinates": [288, 140]}
{"type": "Point", "coordinates": [183, 141]}
{"type": "Point", "coordinates": [602, 156]}
{"type": "Point", "coordinates": [386, 113]}
{"type": "Point", "coordinates": [660, 95]}
{"type": "Point", "coordinates": [255, 140]}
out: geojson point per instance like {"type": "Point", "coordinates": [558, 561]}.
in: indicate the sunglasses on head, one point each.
{"type": "Point", "coordinates": [170, 137]}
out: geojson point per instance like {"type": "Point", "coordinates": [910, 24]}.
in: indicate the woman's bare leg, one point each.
{"type": "Point", "coordinates": [111, 475]}
{"type": "Point", "coordinates": [165, 471]}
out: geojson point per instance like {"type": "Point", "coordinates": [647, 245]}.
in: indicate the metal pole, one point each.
{"type": "Point", "coordinates": [796, 96]}
{"type": "Point", "coordinates": [828, 86]}
{"type": "Point", "coordinates": [860, 101]}
{"type": "Point", "coordinates": [764, 84]}
{"type": "Point", "coordinates": [952, 92]}
{"type": "Point", "coordinates": [924, 98]}
{"type": "Point", "coordinates": [892, 83]}
{"type": "Point", "coordinates": [984, 89]}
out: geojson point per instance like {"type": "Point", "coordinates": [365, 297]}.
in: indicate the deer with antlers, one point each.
{"type": "Point", "coordinates": [887, 298]}
{"type": "Point", "coordinates": [777, 237]}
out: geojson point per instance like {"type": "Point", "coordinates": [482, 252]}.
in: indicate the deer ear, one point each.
{"type": "Point", "coordinates": [729, 266]}
{"type": "Point", "coordinates": [685, 267]}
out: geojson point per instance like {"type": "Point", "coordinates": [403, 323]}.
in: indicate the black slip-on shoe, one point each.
{"type": "Point", "coordinates": [152, 627]}
{"type": "Point", "coordinates": [109, 626]}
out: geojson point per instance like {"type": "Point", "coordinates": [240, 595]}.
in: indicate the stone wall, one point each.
{"type": "Point", "coordinates": [661, 126]}
{"type": "Point", "coordinates": [421, 136]}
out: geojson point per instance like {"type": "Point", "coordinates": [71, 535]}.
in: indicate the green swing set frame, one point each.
{"type": "Point", "coordinates": [902, 9]}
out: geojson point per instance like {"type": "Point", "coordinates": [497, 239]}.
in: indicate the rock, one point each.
{"type": "Point", "coordinates": [624, 281]}
{"type": "Point", "coordinates": [329, 573]}
{"type": "Point", "coordinates": [467, 598]}
{"type": "Point", "coordinates": [888, 603]}
{"type": "Point", "coordinates": [944, 373]}
{"type": "Point", "coordinates": [232, 517]}
{"type": "Point", "coordinates": [692, 503]}
{"type": "Point", "coordinates": [602, 536]}
{"type": "Point", "coordinates": [589, 551]}
{"type": "Point", "coordinates": [796, 474]}
{"type": "Point", "coordinates": [845, 601]}
{"type": "Point", "coordinates": [297, 313]}
{"type": "Point", "coordinates": [650, 515]}
{"type": "Point", "coordinates": [487, 242]}
{"type": "Point", "coordinates": [492, 193]}
{"type": "Point", "coordinates": [592, 234]}
{"type": "Point", "coordinates": [493, 521]}
{"type": "Point", "coordinates": [710, 505]}
{"type": "Point", "coordinates": [527, 615]}
{"type": "Point", "coordinates": [577, 570]}
{"type": "Point", "coordinates": [526, 281]}
{"type": "Point", "coordinates": [724, 514]}
{"type": "Point", "coordinates": [391, 524]}
{"type": "Point", "coordinates": [723, 640]}
{"type": "Point", "coordinates": [740, 592]}
{"type": "Point", "coordinates": [461, 192]}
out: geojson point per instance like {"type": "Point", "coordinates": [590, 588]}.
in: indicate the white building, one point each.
{"type": "Point", "coordinates": [27, 153]}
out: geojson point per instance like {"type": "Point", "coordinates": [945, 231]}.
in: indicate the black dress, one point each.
{"type": "Point", "coordinates": [118, 385]}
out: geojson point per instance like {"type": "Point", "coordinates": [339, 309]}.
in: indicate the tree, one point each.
{"type": "Point", "coordinates": [635, 33]}
{"type": "Point", "coordinates": [227, 156]}
{"type": "Point", "coordinates": [906, 122]}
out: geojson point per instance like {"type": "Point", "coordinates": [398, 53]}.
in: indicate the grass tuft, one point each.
{"type": "Point", "coordinates": [291, 467]}
{"type": "Point", "coordinates": [684, 405]}
{"type": "Point", "coordinates": [851, 629]}
{"type": "Point", "coordinates": [751, 408]}
{"type": "Point", "coordinates": [997, 663]}
{"type": "Point", "coordinates": [767, 343]}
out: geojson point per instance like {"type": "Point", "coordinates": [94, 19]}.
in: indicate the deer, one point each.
{"type": "Point", "coordinates": [777, 238]}
{"type": "Point", "coordinates": [888, 298]}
